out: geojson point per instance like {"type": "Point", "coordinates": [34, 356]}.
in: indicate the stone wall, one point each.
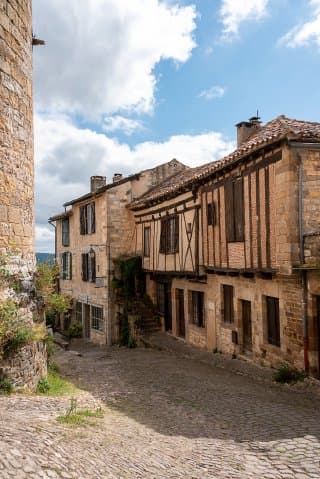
{"type": "Point", "coordinates": [17, 176]}
{"type": "Point", "coordinates": [27, 367]}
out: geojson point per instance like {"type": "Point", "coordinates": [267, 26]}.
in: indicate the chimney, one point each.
{"type": "Point", "coordinates": [117, 177]}
{"type": "Point", "coordinates": [97, 182]}
{"type": "Point", "coordinates": [246, 128]}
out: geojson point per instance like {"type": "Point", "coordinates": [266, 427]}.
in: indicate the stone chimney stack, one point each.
{"type": "Point", "coordinates": [246, 128]}
{"type": "Point", "coordinates": [117, 177]}
{"type": "Point", "coordinates": [97, 182]}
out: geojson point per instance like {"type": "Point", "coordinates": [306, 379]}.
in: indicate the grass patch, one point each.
{"type": "Point", "coordinates": [80, 417]}
{"type": "Point", "coordinates": [6, 387]}
{"type": "Point", "coordinates": [55, 385]}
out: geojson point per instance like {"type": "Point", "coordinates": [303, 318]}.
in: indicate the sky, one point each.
{"type": "Point", "coordinates": [125, 85]}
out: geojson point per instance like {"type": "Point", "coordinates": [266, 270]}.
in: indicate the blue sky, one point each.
{"type": "Point", "coordinates": [124, 85]}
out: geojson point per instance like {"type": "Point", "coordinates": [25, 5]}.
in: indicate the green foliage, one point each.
{"type": "Point", "coordinates": [79, 417]}
{"type": "Point", "coordinates": [15, 330]}
{"type": "Point", "coordinates": [75, 330]}
{"type": "Point", "coordinates": [288, 374]}
{"type": "Point", "coordinates": [57, 385]}
{"type": "Point", "coordinates": [5, 386]}
{"type": "Point", "coordinates": [43, 386]}
{"type": "Point", "coordinates": [46, 287]}
{"type": "Point", "coordinates": [130, 269]}
{"type": "Point", "coordinates": [132, 343]}
{"type": "Point", "coordinates": [51, 349]}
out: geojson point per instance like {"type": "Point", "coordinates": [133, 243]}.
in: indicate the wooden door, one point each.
{"type": "Point", "coordinates": [247, 326]}
{"type": "Point", "coordinates": [86, 329]}
{"type": "Point", "coordinates": [181, 327]}
{"type": "Point", "coordinates": [167, 307]}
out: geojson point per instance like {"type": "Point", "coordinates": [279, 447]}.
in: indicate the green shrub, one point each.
{"type": "Point", "coordinates": [75, 330]}
{"type": "Point", "coordinates": [288, 374]}
{"type": "Point", "coordinates": [20, 338]}
{"type": "Point", "coordinates": [51, 349]}
{"type": "Point", "coordinates": [132, 343]}
{"type": "Point", "coordinates": [6, 386]}
{"type": "Point", "coordinates": [43, 386]}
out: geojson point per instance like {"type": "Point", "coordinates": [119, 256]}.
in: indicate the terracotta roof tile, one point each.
{"type": "Point", "coordinates": [279, 128]}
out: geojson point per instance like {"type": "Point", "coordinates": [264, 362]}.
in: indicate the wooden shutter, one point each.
{"type": "Point", "coordinates": [238, 206]}
{"type": "Point", "coordinates": [93, 268]}
{"type": "Point", "coordinates": [70, 266]}
{"type": "Point", "coordinates": [229, 210]}
{"type": "Point", "coordinates": [82, 220]}
{"type": "Point", "coordinates": [163, 236]}
{"type": "Point", "coordinates": [211, 214]}
{"type": "Point", "coordinates": [176, 234]}
{"type": "Point", "coordinates": [84, 257]}
{"type": "Point", "coordinates": [93, 217]}
{"type": "Point", "coordinates": [273, 320]}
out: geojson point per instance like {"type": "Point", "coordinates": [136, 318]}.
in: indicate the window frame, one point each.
{"type": "Point", "coordinates": [88, 267]}
{"type": "Point", "coordinates": [65, 232]}
{"type": "Point", "coordinates": [169, 235]}
{"type": "Point", "coordinates": [273, 321]}
{"type": "Point", "coordinates": [227, 304]}
{"type": "Point", "coordinates": [197, 308]}
{"type": "Point", "coordinates": [66, 265]}
{"type": "Point", "coordinates": [146, 241]}
{"type": "Point", "coordinates": [211, 213]}
{"type": "Point", "coordinates": [234, 210]}
{"type": "Point", "coordinates": [87, 218]}
{"type": "Point", "coordinates": [97, 321]}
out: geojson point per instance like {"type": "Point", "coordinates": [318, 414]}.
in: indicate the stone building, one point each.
{"type": "Point", "coordinates": [231, 249]}
{"type": "Point", "coordinates": [16, 154]}
{"type": "Point", "coordinates": [94, 230]}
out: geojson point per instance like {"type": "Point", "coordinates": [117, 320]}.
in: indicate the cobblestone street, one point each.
{"type": "Point", "coordinates": [166, 416]}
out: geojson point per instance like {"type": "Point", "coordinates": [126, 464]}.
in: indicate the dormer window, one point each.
{"type": "Point", "coordinates": [87, 219]}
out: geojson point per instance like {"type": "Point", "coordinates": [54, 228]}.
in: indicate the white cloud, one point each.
{"type": "Point", "coordinates": [120, 123]}
{"type": "Point", "coordinates": [235, 12]}
{"type": "Point", "coordinates": [100, 55]}
{"type": "Point", "coordinates": [66, 157]}
{"type": "Point", "coordinates": [305, 33]}
{"type": "Point", "coordinates": [215, 91]}
{"type": "Point", "coordinates": [45, 239]}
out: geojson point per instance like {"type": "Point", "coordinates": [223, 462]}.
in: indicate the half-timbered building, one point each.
{"type": "Point", "coordinates": [93, 231]}
{"type": "Point", "coordinates": [231, 249]}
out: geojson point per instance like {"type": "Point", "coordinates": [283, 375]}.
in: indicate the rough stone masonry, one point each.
{"type": "Point", "coordinates": [16, 144]}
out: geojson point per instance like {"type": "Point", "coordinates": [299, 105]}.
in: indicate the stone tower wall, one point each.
{"type": "Point", "coordinates": [16, 134]}
{"type": "Point", "coordinates": [27, 366]}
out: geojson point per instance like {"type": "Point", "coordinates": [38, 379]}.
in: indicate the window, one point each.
{"type": "Point", "coordinates": [196, 301]}
{"type": "Point", "coordinates": [234, 208]}
{"type": "Point", "coordinates": [227, 292]}
{"type": "Point", "coordinates": [87, 219]}
{"type": "Point", "coordinates": [273, 321]}
{"type": "Point", "coordinates": [79, 312]}
{"type": "Point", "coordinates": [89, 267]}
{"type": "Point", "coordinates": [146, 241]}
{"type": "Point", "coordinates": [161, 298]}
{"type": "Point", "coordinates": [97, 318]}
{"type": "Point", "coordinates": [211, 214]}
{"type": "Point", "coordinates": [169, 237]}
{"type": "Point", "coordinates": [66, 266]}
{"type": "Point", "coordinates": [65, 232]}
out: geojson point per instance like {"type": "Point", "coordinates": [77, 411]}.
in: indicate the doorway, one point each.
{"type": "Point", "coordinates": [86, 329]}
{"type": "Point", "coordinates": [164, 303]}
{"type": "Point", "coordinates": [317, 332]}
{"type": "Point", "coordinates": [246, 326]}
{"type": "Point", "coordinates": [180, 318]}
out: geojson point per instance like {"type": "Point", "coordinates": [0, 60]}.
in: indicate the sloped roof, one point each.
{"type": "Point", "coordinates": [275, 130]}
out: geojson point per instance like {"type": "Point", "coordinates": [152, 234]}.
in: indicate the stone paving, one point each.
{"type": "Point", "coordinates": [166, 416]}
